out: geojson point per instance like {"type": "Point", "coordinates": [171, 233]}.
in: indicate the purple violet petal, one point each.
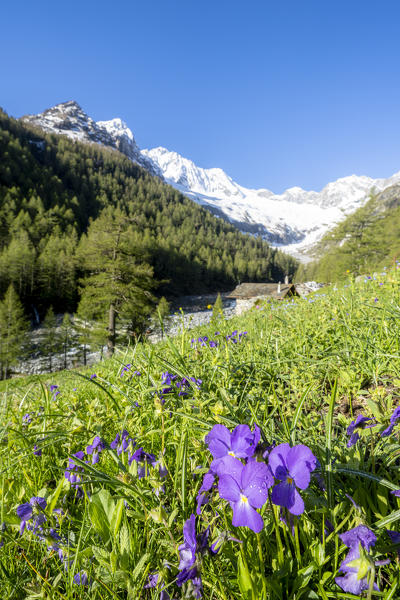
{"type": "Point", "coordinates": [245, 516]}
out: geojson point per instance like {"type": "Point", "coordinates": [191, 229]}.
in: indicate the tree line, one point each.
{"type": "Point", "coordinates": [365, 241]}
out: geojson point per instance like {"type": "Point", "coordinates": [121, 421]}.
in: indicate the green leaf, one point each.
{"type": "Point", "coordinates": [380, 480]}
{"type": "Point", "coordinates": [394, 516]}
{"type": "Point", "coordinates": [374, 408]}
{"type": "Point", "coordinates": [98, 518]}
{"type": "Point", "coordinates": [139, 566]}
{"type": "Point", "coordinates": [116, 517]}
{"type": "Point", "coordinates": [244, 580]}
{"type": "Point", "coordinates": [56, 494]}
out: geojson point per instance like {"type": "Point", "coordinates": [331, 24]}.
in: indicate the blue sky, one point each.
{"type": "Point", "coordinates": [278, 93]}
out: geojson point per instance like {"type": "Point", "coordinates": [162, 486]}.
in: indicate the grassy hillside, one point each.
{"type": "Point", "coordinates": [366, 241]}
{"type": "Point", "coordinates": [117, 520]}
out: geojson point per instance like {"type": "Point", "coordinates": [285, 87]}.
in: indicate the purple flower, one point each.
{"type": "Point", "coordinates": [72, 473]}
{"type": "Point", "coordinates": [152, 580]}
{"type": "Point", "coordinates": [93, 376]}
{"type": "Point", "coordinates": [359, 423]}
{"type": "Point", "coordinates": [396, 493]}
{"type": "Point", "coordinates": [144, 459]}
{"type": "Point", "coordinates": [197, 382]}
{"type": "Point", "coordinates": [32, 510]}
{"type": "Point", "coordinates": [292, 466]}
{"type": "Point", "coordinates": [359, 535]}
{"type": "Point", "coordinates": [393, 420]}
{"type": "Point", "coordinates": [167, 378]}
{"type": "Point", "coordinates": [192, 545]}
{"type": "Point", "coordinates": [357, 564]}
{"type": "Point", "coordinates": [37, 451]}
{"type": "Point", "coordinates": [125, 369]}
{"type": "Point", "coordinates": [202, 497]}
{"type": "Point", "coordinates": [27, 419]}
{"type": "Point", "coordinates": [246, 488]}
{"type": "Point", "coordinates": [187, 550]}
{"type": "Point", "coordinates": [95, 448]}
{"type": "Point", "coordinates": [81, 578]}
{"type": "Point", "coordinates": [241, 443]}
{"type": "Point", "coordinates": [122, 442]}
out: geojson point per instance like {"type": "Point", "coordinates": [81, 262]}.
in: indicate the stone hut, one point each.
{"type": "Point", "coordinates": [248, 295]}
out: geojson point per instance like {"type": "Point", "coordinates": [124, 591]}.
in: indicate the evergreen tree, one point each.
{"type": "Point", "coordinates": [50, 342]}
{"type": "Point", "coordinates": [117, 281]}
{"type": "Point", "coordinates": [13, 331]}
{"type": "Point", "coordinates": [66, 336]}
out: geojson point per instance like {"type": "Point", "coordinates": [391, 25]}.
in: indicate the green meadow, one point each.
{"type": "Point", "coordinates": [109, 522]}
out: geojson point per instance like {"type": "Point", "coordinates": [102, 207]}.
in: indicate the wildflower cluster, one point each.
{"type": "Point", "coordinates": [204, 341]}
{"type": "Point", "coordinates": [245, 485]}
{"type": "Point", "coordinates": [45, 529]}
{"type": "Point", "coordinates": [173, 383]}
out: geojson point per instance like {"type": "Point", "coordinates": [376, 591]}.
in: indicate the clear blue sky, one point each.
{"type": "Point", "coordinates": [276, 92]}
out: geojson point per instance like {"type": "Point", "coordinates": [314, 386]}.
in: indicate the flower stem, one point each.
{"type": "Point", "coordinates": [262, 568]}
{"type": "Point", "coordinates": [277, 533]}
{"type": "Point", "coordinates": [296, 539]}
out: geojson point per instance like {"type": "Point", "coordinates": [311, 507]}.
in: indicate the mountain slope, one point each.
{"type": "Point", "coordinates": [52, 187]}
{"type": "Point", "coordinates": [294, 220]}
{"type": "Point", "coordinates": [366, 241]}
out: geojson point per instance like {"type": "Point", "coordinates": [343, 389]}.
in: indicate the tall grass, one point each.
{"type": "Point", "coordinates": [305, 369]}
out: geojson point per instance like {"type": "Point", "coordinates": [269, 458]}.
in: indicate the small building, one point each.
{"type": "Point", "coordinates": [248, 295]}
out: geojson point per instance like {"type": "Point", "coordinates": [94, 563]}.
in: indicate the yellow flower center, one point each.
{"type": "Point", "coordinates": [289, 480]}
{"type": "Point", "coordinates": [231, 453]}
{"type": "Point", "coordinates": [244, 499]}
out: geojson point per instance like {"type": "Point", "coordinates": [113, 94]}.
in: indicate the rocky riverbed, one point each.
{"type": "Point", "coordinates": [186, 312]}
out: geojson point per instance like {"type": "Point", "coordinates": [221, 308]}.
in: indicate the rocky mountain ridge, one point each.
{"type": "Point", "coordinates": [69, 119]}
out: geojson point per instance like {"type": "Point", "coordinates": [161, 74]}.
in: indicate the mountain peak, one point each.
{"type": "Point", "coordinates": [68, 118]}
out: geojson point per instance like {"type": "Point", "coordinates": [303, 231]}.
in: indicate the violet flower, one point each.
{"type": "Point", "coordinates": [357, 565]}
{"type": "Point", "coordinates": [241, 443]}
{"type": "Point", "coordinates": [95, 448]}
{"type": "Point", "coordinates": [393, 420]}
{"type": "Point", "coordinates": [32, 510]}
{"type": "Point", "coordinates": [359, 423]}
{"type": "Point", "coordinates": [72, 472]}
{"type": "Point", "coordinates": [37, 451]}
{"type": "Point", "coordinates": [122, 442]}
{"type": "Point", "coordinates": [125, 369]}
{"type": "Point", "coordinates": [81, 578]}
{"type": "Point", "coordinates": [143, 459]}
{"type": "Point", "coordinates": [193, 547]}
{"type": "Point", "coordinates": [292, 466]}
{"type": "Point", "coordinates": [246, 488]}
{"type": "Point", "coordinates": [203, 497]}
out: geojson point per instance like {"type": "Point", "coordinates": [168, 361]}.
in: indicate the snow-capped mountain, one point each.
{"type": "Point", "coordinates": [69, 119]}
{"type": "Point", "coordinates": [294, 220]}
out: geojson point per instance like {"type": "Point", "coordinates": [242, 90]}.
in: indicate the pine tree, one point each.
{"type": "Point", "coordinates": [13, 330]}
{"type": "Point", "coordinates": [117, 281]}
{"type": "Point", "coordinates": [50, 342]}
{"type": "Point", "coordinates": [66, 335]}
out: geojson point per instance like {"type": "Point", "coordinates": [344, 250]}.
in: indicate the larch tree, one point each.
{"type": "Point", "coordinates": [118, 279]}
{"type": "Point", "coordinates": [13, 330]}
